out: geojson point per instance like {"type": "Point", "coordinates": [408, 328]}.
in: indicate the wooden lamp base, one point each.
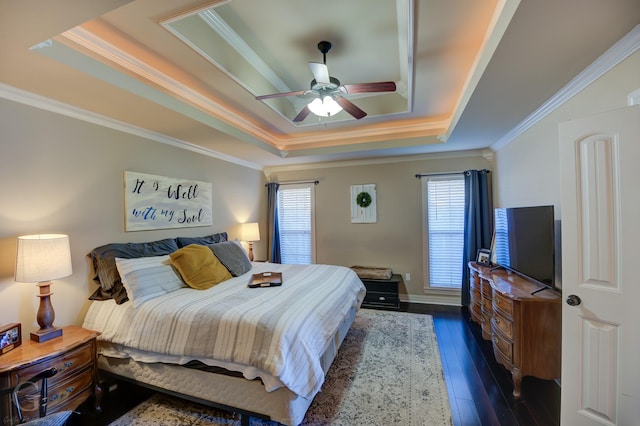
{"type": "Point", "coordinates": [251, 251]}
{"type": "Point", "coordinates": [45, 316]}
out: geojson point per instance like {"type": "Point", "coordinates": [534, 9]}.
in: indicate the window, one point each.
{"type": "Point", "coordinates": [296, 223]}
{"type": "Point", "coordinates": [443, 210]}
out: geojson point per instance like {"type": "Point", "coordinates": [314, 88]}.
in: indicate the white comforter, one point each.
{"type": "Point", "coordinates": [279, 330]}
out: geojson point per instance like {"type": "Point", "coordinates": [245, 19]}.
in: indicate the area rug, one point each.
{"type": "Point", "coordinates": [387, 372]}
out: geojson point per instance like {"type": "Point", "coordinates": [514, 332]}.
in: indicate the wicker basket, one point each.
{"type": "Point", "coordinates": [372, 273]}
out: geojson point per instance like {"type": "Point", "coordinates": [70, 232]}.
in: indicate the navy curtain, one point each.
{"type": "Point", "coordinates": [272, 222]}
{"type": "Point", "coordinates": [478, 221]}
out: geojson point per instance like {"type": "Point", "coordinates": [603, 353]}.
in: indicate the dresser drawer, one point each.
{"type": "Point", "coordinates": [504, 346]}
{"type": "Point", "coordinates": [476, 294]}
{"type": "Point", "coordinates": [487, 306]}
{"type": "Point", "coordinates": [503, 304]}
{"type": "Point", "coordinates": [504, 325]}
{"type": "Point", "coordinates": [476, 312]}
{"type": "Point", "coordinates": [486, 289]}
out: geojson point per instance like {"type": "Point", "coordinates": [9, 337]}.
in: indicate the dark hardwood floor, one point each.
{"type": "Point", "coordinates": [480, 390]}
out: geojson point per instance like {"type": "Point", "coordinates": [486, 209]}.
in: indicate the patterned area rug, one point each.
{"type": "Point", "coordinates": [387, 372]}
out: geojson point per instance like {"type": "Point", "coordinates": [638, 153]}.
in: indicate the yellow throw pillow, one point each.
{"type": "Point", "coordinates": [199, 267]}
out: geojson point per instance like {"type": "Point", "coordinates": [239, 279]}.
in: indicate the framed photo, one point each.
{"type": "Point", "coordinates": [484, 257]}
{"type": "Point", "coordinates": [10, 337]}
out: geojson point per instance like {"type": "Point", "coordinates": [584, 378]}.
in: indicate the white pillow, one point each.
{"type": "Point", "coordinates": [147, 277]}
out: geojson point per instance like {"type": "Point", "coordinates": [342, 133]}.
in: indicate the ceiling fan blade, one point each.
{"type": "Point", "coordinates": [320, 72]}
{"type": "Point", "coordinates": [382, 86]}
{"type": "Point", "coordinates": [302, 114]}
{"type": "Point", "coordinates": [350, 107]}
{"type": "Point", "coordinates": [278, 95]}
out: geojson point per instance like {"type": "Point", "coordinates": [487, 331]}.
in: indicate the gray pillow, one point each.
{"type": "Point", "coordinates": [107, 277]}
{"type": "Point", "coordinates": [232, 256]}
{"type": "Point", "coordinates": [204, 241]}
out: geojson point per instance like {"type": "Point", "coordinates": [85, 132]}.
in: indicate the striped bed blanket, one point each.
{"type": "Point", "coordinates": [279, 330]}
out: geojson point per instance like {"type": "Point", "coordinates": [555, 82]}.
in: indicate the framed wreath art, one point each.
{"type": "Point", "coordinates": [363, 203]}
{"type": "Point", "coordinates": [363, 199]}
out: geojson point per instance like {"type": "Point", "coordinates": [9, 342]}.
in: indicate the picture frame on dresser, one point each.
{"type": "Point", "coordinates": [10, 337]}
{"type": "Point", "coordinates": [484, 257]}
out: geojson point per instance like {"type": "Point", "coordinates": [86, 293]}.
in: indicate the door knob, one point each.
{"type": "Point", "coordinates": [573, 300]}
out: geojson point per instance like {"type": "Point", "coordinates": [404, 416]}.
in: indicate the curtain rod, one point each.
{"type": "Point", "coordinates": [294, 182]}
{"type": "Point", "coordinates": [420, 175]}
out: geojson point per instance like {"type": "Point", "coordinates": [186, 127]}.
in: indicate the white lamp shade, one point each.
{"type": "Point", "coordinates": [325, 107]}
{"type": "Point", "coordinates": [250, 232]}
{"type": "Point", "coordinates": [43, 258]}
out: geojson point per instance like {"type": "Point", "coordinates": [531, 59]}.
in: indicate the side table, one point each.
{"type": "Point", "coordinates": [73, 355]}
{"type": "Point", "coordinates": [382, 294]}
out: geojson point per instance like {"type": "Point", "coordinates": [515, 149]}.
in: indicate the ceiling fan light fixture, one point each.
{"type": "Point", "coordinates": [325, 107]}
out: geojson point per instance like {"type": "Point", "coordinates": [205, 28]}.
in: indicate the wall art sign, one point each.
{"type": "Point", "coordinates": [159, 202]}
{"type": "Point", "coordinates": [363, 203]}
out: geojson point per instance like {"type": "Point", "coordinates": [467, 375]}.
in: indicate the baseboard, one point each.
{"type": "Point", "coordinates": [432, 299]}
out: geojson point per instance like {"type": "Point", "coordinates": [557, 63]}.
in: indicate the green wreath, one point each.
{"type": "Point", "coordinates": [363, 199]}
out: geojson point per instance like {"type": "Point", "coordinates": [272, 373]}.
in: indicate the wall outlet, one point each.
{"type": "Point", "coordinates": [407, 276]}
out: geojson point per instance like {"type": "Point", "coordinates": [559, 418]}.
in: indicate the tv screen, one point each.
{"type": "Point", "coordinates": [524, 242]}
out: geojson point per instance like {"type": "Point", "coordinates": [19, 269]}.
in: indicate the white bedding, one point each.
{"type": "Point", "coordinates": [276, 333]}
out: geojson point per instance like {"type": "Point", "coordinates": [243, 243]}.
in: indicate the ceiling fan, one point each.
{"type": "Point", "coordinates": [328, 93]}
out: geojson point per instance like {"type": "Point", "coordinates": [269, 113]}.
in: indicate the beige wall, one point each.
{"type": "Point", "coordinates": [528, 169]}
{"type": "Point", "coordinates": [395, 240]}
{"type": "Point", "coordinates": [62, 175]}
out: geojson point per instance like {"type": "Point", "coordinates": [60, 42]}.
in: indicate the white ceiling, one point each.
{"type": "Point", "coordinates": [467, 71]}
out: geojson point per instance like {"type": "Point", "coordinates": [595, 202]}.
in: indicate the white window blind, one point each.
{"type": "Point", "coordinates": [444, 196]}
{"type": "Point", "coordinates": [296, 223]}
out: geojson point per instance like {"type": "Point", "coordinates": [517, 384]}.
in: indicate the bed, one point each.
{"type": "Point", "coordinates": [261, 352]}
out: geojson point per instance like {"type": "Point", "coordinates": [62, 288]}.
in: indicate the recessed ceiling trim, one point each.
{"type": "Point", "coordinates": [124, 60]}
{"type": "Point", "coordinates": [217, 24]}
{"type": "Point", "coordinates": [144, 71]}
{"type": "Point", "coordinates": [411, 129]}
{"type": "Point", "coordinates": [502, 17]}
{"type": "Point", "coordinates": [225, 31]}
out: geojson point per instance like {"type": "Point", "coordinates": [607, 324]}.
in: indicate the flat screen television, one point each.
{"type": "Point", "coordinates": [524, 243]}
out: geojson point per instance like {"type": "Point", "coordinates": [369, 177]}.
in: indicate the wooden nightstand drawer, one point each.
{"type": "Point", "coordinates": [66, 364]}
{"type": "Point", "coordinates": [381, 299]}
{"type": "Point", "coordinates": [63, 395]}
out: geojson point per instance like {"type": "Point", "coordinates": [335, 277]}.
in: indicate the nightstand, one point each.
{"type": "Point", "coordinates": [382, 294]}
{"type": "Point", "coordinates": [73, 355]}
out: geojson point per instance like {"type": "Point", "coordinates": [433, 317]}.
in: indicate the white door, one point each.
{"type": "Point", "coordinates": [600, 167]}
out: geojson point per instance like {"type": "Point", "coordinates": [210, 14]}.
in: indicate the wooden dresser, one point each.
{"type": "Point", "coordinates": [73, 355]}
{"type": "Point", "coordinates": [525, 329]}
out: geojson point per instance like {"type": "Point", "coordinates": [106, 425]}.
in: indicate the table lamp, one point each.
{"type": "Point", "coordinates": [250, 232]}
{"type": "Point", "coordinates": [42, 258]}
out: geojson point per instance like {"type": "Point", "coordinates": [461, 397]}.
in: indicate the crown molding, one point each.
{"type": "Point", "coordinates": [27, 98]}
{"type": "Point", "coordinates": [617, 53]}
{"type": "Point", "coordinates": [268, 170]}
